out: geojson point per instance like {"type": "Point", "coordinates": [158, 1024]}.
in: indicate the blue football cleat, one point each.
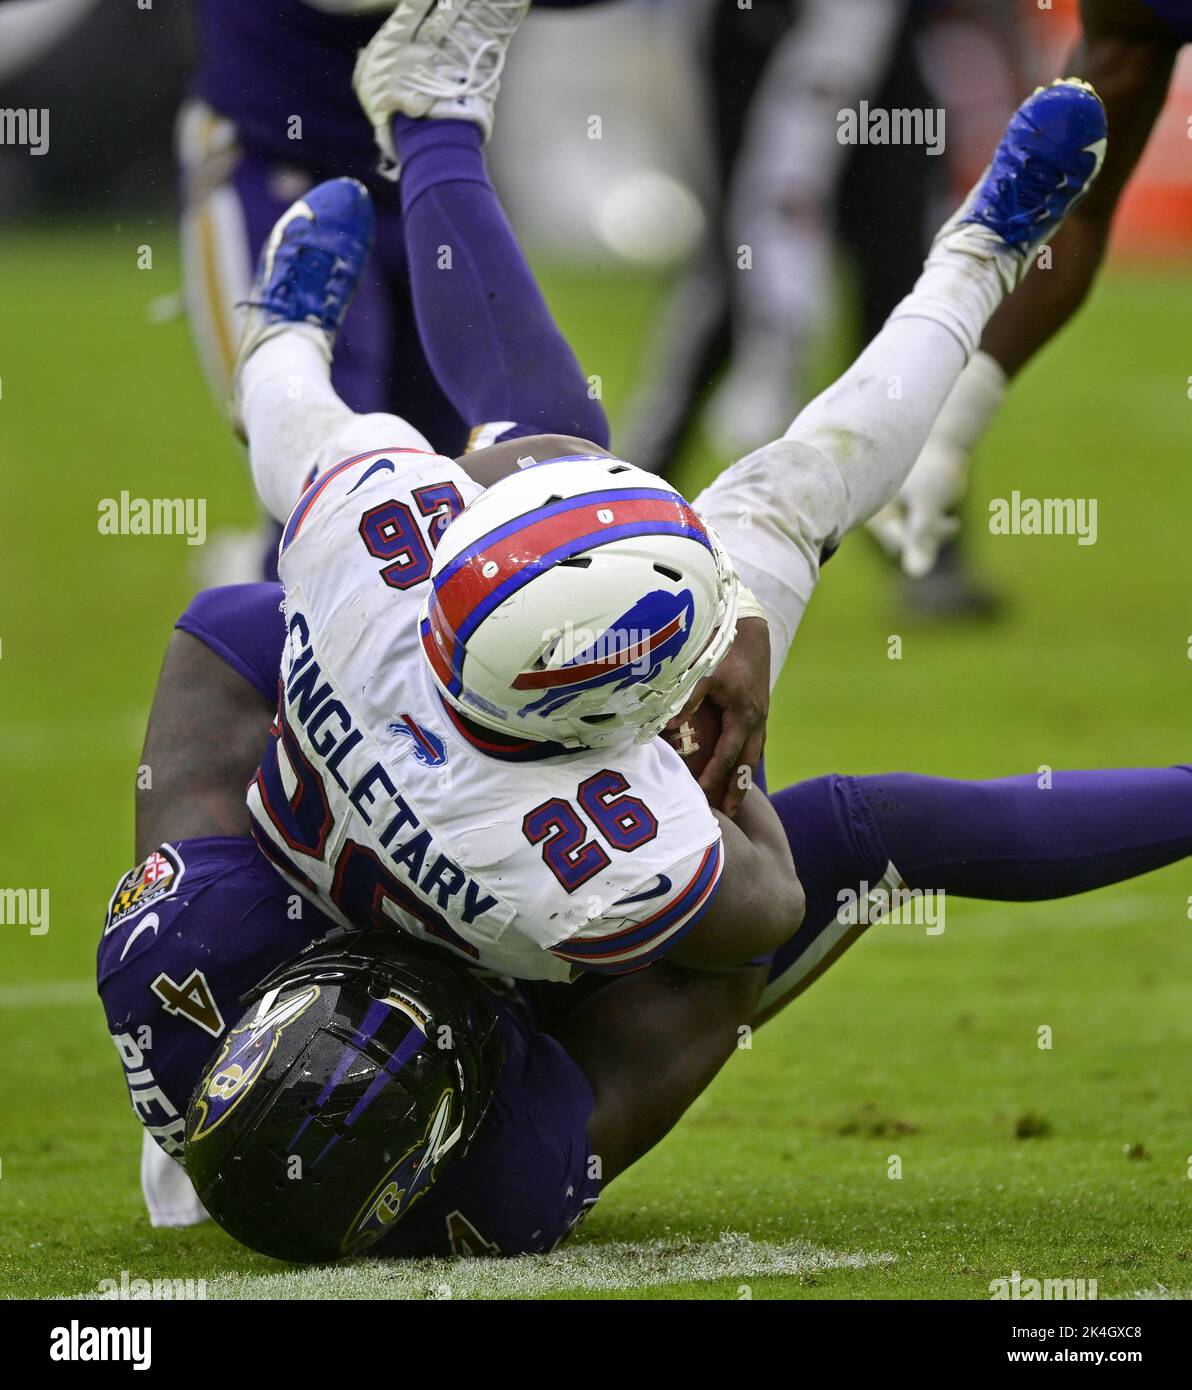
{"type": "Point", "coordinates": [315, 255]}
{"type": "Point", "coordinates": [1043, 166]}
{"type": "Point", "coordinates": [309, 267]}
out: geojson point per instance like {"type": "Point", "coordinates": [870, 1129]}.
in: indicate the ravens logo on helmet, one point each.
{"type": "Point", "coordinates": [361, 1066]}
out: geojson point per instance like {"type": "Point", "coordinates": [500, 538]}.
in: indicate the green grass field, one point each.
{"type": "Point", "coordinates": [915, 1046]}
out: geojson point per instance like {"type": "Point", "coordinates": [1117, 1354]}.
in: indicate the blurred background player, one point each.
{"type": "Point", "coordinates": [271, 112]}
{"type": "Point", "coordinates": [732, 356]}
{"type": "Point", "coordinates": [1127, 50]}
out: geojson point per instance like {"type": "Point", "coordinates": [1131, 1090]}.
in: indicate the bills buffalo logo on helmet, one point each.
{"type": "Point", "coordinates": [631, 650]}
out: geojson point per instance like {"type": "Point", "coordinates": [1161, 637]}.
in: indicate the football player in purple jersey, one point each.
{"type": "Point", "coordinates": [271, 112]}
{"type": "Point", "coordinates": [506, 1151]}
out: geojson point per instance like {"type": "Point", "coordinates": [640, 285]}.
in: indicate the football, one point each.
{"type": "Point", "coordinates": [696, 737]}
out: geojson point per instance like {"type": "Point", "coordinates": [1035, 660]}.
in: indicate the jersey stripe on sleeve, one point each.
{"type": "Point", "coordinates": [315, 489]}
{"type": "Point", "coordinates": [641, 943]}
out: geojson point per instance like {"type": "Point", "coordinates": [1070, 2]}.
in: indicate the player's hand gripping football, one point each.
{"type": "Point", "coordinates": [732, 706]}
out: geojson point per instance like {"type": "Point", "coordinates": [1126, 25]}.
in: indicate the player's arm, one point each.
{"type": "Point", "coordinates": [649, 1044]}
{"type": "Point", "coordinates": [729, 902]}
{"type": "Point", "coordinates": [210, 716]}
{"type": "Point", "coordinates": [759, 901]}
{"type": "Point", "coordinates": [739, 692]}
{"type": "Point", "coordinates": [207, 727]}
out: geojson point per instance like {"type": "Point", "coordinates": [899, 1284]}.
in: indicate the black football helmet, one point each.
{"type": "Point", "coordinates": [360, 1067]}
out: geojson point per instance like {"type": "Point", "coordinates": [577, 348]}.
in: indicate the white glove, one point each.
{"type": "Point", "coordinates": [916, 524]}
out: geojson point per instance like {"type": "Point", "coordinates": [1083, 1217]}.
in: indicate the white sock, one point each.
{"type": "Point", "coordinates": [960, 289]}
{"type": "Point", "coordinates": [847, 454]}
{"type": "Point", "coordinates": [289, 409]}
{"type": "Point", "coordinates": [297, 426]}
{"type": "Point", "coordinates": [169, 1194]}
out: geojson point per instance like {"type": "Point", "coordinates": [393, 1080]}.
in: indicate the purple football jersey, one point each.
{"type": "Point", "coordinates": [282, 72]}
{"type": "Point", "coordinates": [196, 925]}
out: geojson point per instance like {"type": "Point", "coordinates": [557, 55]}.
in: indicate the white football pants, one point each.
{"type": "Point", "coordinates": [778, 510]}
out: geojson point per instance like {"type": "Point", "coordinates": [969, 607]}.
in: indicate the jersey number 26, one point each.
{"type": "Point", "coordinates": [625, 822]}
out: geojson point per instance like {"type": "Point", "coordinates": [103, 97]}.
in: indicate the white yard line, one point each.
{"type": "Point", "coordinates": [588, 1268]}
{"type": "Point", "coordinates": [39, 993]}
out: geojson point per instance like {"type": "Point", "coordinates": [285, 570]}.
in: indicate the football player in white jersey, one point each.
{"type": "Point", "coordinates": [475, 680]}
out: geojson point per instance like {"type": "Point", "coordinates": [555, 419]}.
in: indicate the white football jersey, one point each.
{"type": "Point", "coordinates": [378, 802]}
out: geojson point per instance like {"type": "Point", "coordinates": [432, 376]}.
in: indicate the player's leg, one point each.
{"type": "Point", "coordinates": [1127, 53]}
{"type": "Point", "coordinates": [1013, 839]}
{"type": "Point", "coordinates": [215, 239]}
{"type": "Point", "coordinates": [485, 327]}
{"type": "Point", "coordinates": [232, 197]}
{"type": "Point", "coordinates": [786, 506]}
{"type": "Point", "coordinates": [294, 421]}
{"type": "Point", "coordinates": [1019, 839]}
{"type": "Point", "coordinates": [411, 389]}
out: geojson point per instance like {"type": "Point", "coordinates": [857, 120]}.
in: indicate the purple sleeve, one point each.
{"type": "Point", "coordinates": [243, 625]}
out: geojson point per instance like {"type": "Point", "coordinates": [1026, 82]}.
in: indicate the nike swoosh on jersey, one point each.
{"type": "Point", "coordinates": [663, 885]}
{"type": "Point", "coordinates": [151, 919]}
{"type": "Point", "coordinates": [381, 466]}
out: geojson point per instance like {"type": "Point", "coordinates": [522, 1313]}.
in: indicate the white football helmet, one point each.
{"type": "Point", "coordinates": [577, 601]}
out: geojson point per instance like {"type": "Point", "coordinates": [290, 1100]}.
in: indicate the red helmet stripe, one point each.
{"type": "Point", "coordinates": [532, 544]}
